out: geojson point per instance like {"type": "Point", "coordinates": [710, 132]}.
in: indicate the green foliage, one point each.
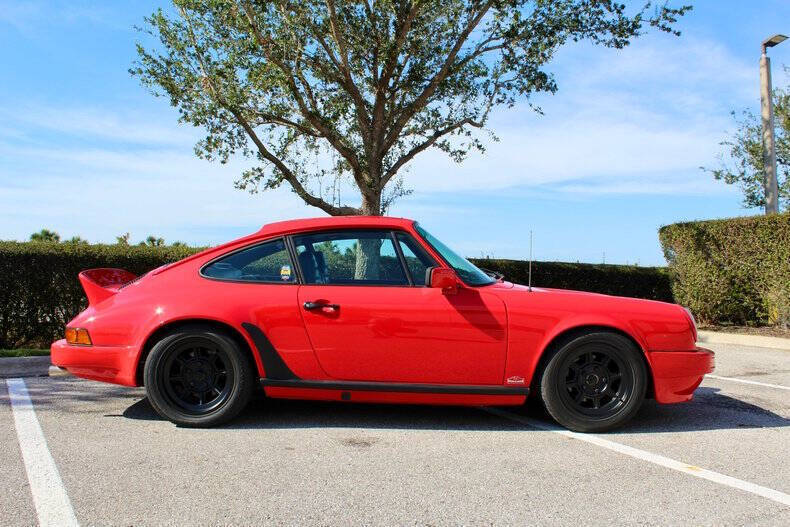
{"type": "Point", "coordinates": [39, 289]}
{"type": "Point", "coordinates": [45, 235]}
{"type": "Point", "coordinates": [153, 241]}
{"type": "Point", "coordinates": [24, 352]}
{"type": "Point", "coordinates": [322, 93]}
{"type": "Point", "coordinates": [743, 165]}
{"type": "Point", "coordinates": [733, 270]}
{"type": "Point", "coordinates": [621, 280]}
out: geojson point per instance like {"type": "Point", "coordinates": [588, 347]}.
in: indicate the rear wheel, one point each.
{"type": "Point", "coordinates": [198, 377]}
{"type": "Point", "coordinates": [594, 383]}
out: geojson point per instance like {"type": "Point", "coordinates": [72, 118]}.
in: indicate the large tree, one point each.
{"type": "Point", "coordinates": [324, 94]}
{"type": "Point", "coordinates": [742, 161]}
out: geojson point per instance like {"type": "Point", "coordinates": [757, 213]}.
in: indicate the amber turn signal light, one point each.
{"type": "Point", "coordinates": [78, 336]}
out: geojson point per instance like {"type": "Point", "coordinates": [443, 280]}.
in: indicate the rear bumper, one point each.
{"type": "Point", "coordinates": [676, 374]}
{"type": "Point", "coordinates": [114, 364]}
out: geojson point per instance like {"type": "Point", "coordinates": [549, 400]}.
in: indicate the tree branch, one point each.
{"type": "Point", "coordinates": [427, 144]}
{"type": "Point", "coordinates": [430, 89]}
{"type": "Point", "coordinates": [400, 38]}
{"type": "Point", "coordinates": [310, 115]}
{"type": "Point", "coordinates": [267, 118]}
{"type": "Point", "coordinates": [379, 115]}
{"type": "Point", "coordinates": [286, 172]}
{"type": "Point", "coordinates": [351, 87]}
{"type": "Point", "coordinates": [289, 176]}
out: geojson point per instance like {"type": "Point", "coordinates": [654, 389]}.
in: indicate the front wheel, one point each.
{"type": "Point", "coordinates": [594, 383]}
{"type": "Point", "coordinates": [198, 377]}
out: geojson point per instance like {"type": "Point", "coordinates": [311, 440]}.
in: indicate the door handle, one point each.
{"type": "Point", "coordinates": [311, 306]}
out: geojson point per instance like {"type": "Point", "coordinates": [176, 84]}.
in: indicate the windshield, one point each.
{"type": "Point", "coordinates": [470, 274]}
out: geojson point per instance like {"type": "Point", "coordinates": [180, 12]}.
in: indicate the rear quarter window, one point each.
{"type": "Point", "coordinates": [267, 262]}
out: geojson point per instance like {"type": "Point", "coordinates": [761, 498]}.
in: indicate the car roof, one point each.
{"type": "Point", "coordinates": [293, 226]}
{"type": "Point", "coordinates": [329, 222]}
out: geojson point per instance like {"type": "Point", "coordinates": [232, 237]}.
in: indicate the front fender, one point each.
{"type": "Point", "coordinates": [537, 318]}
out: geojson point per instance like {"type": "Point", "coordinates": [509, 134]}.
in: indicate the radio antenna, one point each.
{"type": "Point", "coordinates": [529, 283]}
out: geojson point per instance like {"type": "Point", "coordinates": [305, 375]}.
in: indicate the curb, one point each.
{"type": "Point", "coordinates": [759, 341]}
{"type": "Point", "coordinates": [24, 367]}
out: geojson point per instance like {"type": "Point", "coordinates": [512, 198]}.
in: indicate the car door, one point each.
{"type": "Point", "coordinates": [370, 316]}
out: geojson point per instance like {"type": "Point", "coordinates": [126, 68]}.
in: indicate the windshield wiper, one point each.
{"type": "Point", "coordinates": [493, 274]}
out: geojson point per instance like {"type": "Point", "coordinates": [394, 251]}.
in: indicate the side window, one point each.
{"type": "Point", "coordinates": [266, 262]}
{"type": "Point", "coordinates": [350, 257]}
{"type": "Point", "coordinates": [417, 259]}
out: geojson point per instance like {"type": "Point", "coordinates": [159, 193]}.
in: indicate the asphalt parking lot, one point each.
{"type": "Point", "coordinates": [723, 459]}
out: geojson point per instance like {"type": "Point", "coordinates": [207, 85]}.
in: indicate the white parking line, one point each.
{"type": "Point", "coordinates": [49, 496]}
{"type": "Point", "coordinates": [733, 379]}
{"type": "Point", "coordinates": [656, 459]}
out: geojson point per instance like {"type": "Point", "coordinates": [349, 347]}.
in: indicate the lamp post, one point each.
{"type": "Point", "coordinates": [767, 112]}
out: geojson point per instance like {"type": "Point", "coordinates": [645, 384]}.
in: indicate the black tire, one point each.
{"type": "Point", "coordinates": [594, 382]}
{"type": "Point", "coordinates": [198, 377]}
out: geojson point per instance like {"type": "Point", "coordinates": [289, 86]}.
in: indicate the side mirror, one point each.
{"type": "Point", "coordinates": [444, 279]}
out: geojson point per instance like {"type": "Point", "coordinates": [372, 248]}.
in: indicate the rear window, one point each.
{"type": "Point", "coordinates": [267, 262]}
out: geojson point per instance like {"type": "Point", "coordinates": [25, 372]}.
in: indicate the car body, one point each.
{"type": "Point", "coordinates": [421, 327]}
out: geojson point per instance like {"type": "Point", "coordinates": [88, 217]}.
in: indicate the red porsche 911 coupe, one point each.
{"type": "Point", "coordinates": [372, 309]}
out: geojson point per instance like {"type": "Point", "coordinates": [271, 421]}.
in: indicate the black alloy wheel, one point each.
{"type": "Point", "coordinates": [198, 377]}
{"type": "Point", "coordinates": [594, 382]}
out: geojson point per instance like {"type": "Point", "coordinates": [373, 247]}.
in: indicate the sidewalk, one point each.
{"type": "Point", "coordinates": [740, 339]}
{"type": "Point", "coordinates": [24, 367]}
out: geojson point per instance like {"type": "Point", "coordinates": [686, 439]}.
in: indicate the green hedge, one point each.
{"type": "Point", "coordinates": [733, 271]}
{"type": "Point", "coordinates": [40, 292]}
{"type": "Point", "coordinates": [620, 280]}
{"type": "Point", "coordinates": [39, 289]}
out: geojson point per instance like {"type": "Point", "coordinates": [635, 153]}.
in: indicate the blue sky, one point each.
{"type": "Point", "coordinates": [86, 151]}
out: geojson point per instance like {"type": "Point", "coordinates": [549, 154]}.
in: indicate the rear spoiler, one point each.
{"type": "Point", "coordinates": [101, 284]}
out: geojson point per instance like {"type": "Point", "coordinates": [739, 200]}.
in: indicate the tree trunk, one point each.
{"type": "Point", "coordinates": [368, 261]}
{"type": "Point", "coordinates": [371, 203]}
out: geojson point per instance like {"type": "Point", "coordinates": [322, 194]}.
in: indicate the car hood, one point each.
{"type": "Point", "coordinates": [568, 300]}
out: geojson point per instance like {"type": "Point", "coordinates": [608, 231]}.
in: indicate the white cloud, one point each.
{"type": "Point", "coordinates": [580, 149]}
{"type": "Point", "coordinates": [684, 63]}
{"type": "Point", "coordinates": [641, 120]}
{"type": "Point", "coordinates": [26, 16]}
{"type": "Point", "coordinates": [98, 172]}
{"type": "Point", "coordinates": [100, 192]}
{"type": "Point", "coordinates": [197, 206]}
{"type": "Point", "coordinates": [100, 123]}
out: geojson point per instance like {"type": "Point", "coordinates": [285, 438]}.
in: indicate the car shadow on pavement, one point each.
{"type": "Point", "coordinates": [709, 410]}
{"type": "Point", "coordinates": [263, 413]}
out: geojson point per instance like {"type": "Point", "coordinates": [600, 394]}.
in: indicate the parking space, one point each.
{"type": "Point", "coordinates": [286, 462]}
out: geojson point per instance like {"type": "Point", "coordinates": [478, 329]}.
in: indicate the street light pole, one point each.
{"type": "Point", "coordinates": [767, 112]}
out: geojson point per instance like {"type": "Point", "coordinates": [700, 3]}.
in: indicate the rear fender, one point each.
{"type": "Point", "coordinates": [161, 327]}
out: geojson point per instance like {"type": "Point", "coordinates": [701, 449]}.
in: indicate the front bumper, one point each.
{"type": "Point", "coordinates": [676, 374]}
{"type": "Point", "coordinates": [114, 364]}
